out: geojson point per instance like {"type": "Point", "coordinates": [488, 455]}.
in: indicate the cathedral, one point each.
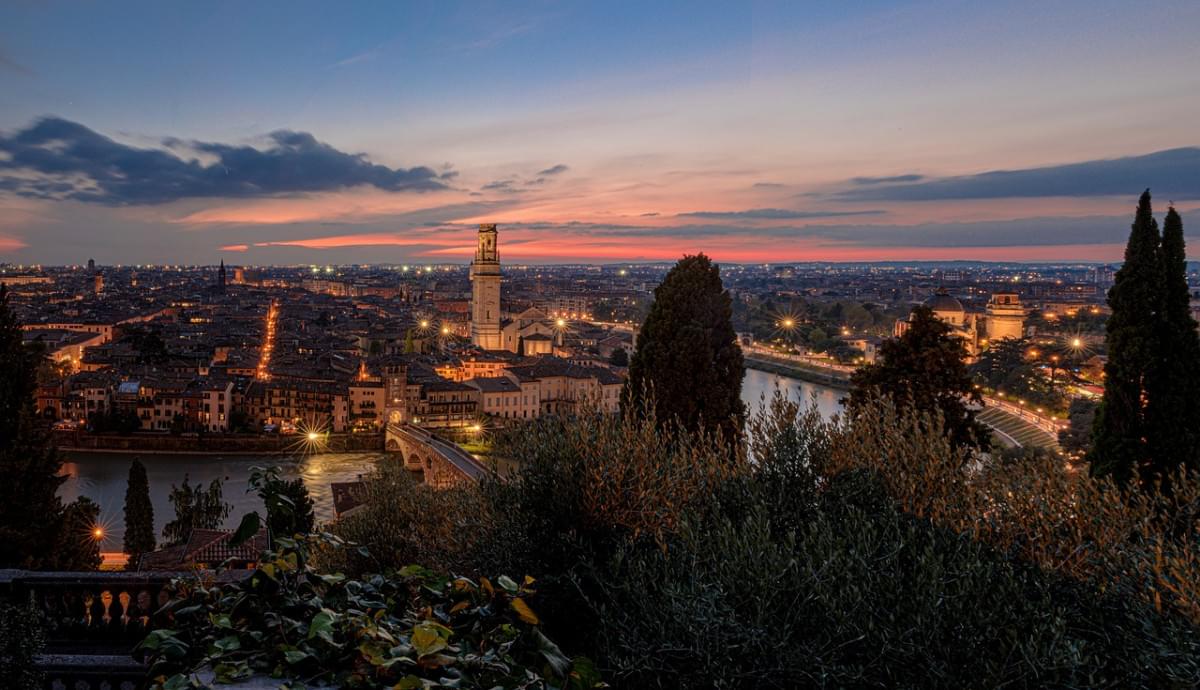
{"type": "Point", "coordinates": [529, 333]}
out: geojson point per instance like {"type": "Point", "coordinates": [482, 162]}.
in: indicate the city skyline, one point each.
{"type": "Point", "coordinates": [622, 133]}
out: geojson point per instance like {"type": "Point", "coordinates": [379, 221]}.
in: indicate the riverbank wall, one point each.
{"type": "Point", "coordinates": [213, 444]}
{"type": "Point", "coordinates": [772, 365]}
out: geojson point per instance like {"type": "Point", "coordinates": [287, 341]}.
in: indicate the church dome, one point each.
{"type": "Point", "coordinates": [943, 302]}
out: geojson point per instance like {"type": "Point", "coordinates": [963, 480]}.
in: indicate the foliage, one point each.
{"type": "Point", "coordinates": [1173, 379]}
{"type": "Point", "coordinates": [1119, 446]}
{"type": "Point", "coordinates": [619, 357]}
{"type": "Point", "coordinates": [289, 507]}
{"type": "Point", "coordinates": [924, 369]}
{"type": "Point", "coordinates": [1003, 367]}
{"type": "Point", "coordinates": [1143, 545]}
{"type": "Point", "coordinates": [195, 508]}
{"type": "Point", "coordinates": [1081, 417]}
{"type": "Point", "coordinates": [30, 510]}
{"type": "Point", "coordinates": [586, 484]}
{"type": "Point", "coordinates": [139, 514]}
{"type": "Point", "coordinates": [21, 638]}
{"type": "Point", "coordinates": [76, 546]}
{"type": "Point", "coordinates": [815, 570]}
{"type": "Point", "coordinates": [403, 521]}
{"type": "Point", "coordinates": [688, 364]}
{"type": "Point", "coordinates": [413, 629]}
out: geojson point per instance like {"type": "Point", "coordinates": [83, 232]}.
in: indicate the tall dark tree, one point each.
{"type": "Point", "coordinates": [77, 544]}
{"type": "Point", "coordinates": [139, 514]}
{"type": "Point", "coordinates": [1119, 445]}
{"type": "Point", "coordinates": [924, 368]}
{"type": "Point", "coordinates": [687, 358]}
{"type": "Point", "coordinates": [195, 508]}
{"type": "Point", "coordinates": [30, 510]}
{"type": "Point", "coordinates": [1173, 380]}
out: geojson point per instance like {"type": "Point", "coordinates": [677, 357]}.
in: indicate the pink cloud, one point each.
{"type": "Point", "coordinates": [8, 243]}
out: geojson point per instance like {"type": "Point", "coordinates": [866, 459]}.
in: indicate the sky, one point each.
{"type": "Point", "coordinates": [332, 133]}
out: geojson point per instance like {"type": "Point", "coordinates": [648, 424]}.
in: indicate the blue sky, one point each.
{"type": "Point", "coordinates": [734, 128]}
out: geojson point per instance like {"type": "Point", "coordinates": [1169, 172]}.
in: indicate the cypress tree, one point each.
{"type": "Point", "coordinates": [1119, 446]}
{"type": "Point", "coordinates": [30, 510]}
{"type": "Point", "coordinates": [687, 358]}
{"type": "Point", "coordinates": [139, 514]}
{"type": "Point", "coordinates": [1173, 381]}
{"type": "Point", "coordinates": [925, 369]}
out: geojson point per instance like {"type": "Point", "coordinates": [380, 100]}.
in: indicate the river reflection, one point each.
{"type": "Point", "coordinates": [760, 385]}
{"type": "Point", "coordinates": [102, 476]}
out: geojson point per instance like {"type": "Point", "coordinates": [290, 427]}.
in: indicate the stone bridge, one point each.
{"type": "Point", "coordinates": [441, 463]}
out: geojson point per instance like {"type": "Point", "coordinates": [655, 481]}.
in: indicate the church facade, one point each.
{"type": "Point", "coordinates": [528, 333]}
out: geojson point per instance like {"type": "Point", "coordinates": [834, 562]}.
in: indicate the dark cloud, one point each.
{"type": "Point", "coordinates": [885, 180]}
{"type": "Point", "coordinates": [554, 170]}
{"type": "Point", "coordinates": [774, 214]}
{"type": "Point", "coordinates": [501, 186]}
{"type": "Point", "coordinates": [1171, 174]}
{"type": "Point", "coordinates": [59, 159]}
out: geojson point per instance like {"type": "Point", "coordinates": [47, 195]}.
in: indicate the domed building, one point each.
{"type": "Point", "coordinates": [947, 308]}
{"type": "Point", "coordinates": [1005, 318]}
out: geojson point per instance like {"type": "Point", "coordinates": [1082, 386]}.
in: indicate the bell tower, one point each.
{"type": "Point", "coordinates": [485, 291]}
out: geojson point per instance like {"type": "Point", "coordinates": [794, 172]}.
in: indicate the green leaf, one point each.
{"type": "Point", "coordinates": [221, 621]}
{"type": "Point", "coordinates": [251, 524]}
{"type": "Point", "coordinates": [409, 682]}
{"type": "Point", "coordinates": [322, 626]}
{"type": "Point", "coordinates": [508, 584]}
{"type": "Point", "coordinates": [295, 656]}
{"type": "Point", "coordinates": [429, 637]}
{"type": "Point", "coordinates": [228, 644]}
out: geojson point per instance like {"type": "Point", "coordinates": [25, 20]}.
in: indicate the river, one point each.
{"type": "Point", "coordinates": [102, 476]}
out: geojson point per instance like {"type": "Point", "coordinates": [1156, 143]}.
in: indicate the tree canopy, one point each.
{"type": "Point", "coordinates": [687, 359]}
{"type": "Point", "coordinates": [924, 368]}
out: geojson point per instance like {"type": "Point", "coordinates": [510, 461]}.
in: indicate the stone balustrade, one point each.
{"type": "Point", "coordinates": [94, 620]}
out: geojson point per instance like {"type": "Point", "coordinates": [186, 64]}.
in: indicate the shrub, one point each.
{"type": "Point", "coordinates": [403, 521]}
{"type": "Point", "coordinates": [21, 637]}
{"type": "Point", "coordinates": [1042, 509]}
{"type": "Point", "coordinates": [862, 595]}
{"type": "Point", "coordinates": [414, 629]}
